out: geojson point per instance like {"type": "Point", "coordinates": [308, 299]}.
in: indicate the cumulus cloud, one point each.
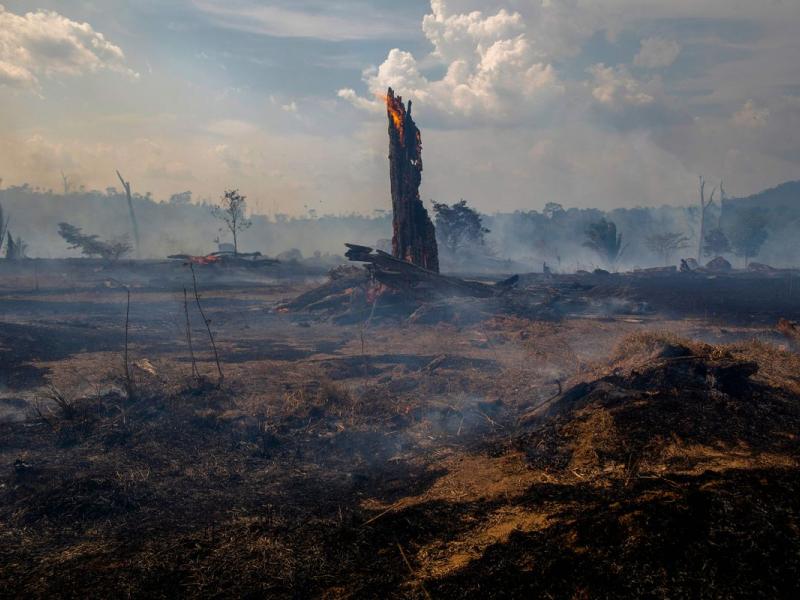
{"type": "Point", "coordinates": [493, 72]}
{"type": "Point", "coordinates": [615, 87]}
{"type": "Point", "coordinates": [45, 43]}
{"type": "Point", "coordinates": [625, 102]}
{"type": "Point", "coordinates": [656, 53]}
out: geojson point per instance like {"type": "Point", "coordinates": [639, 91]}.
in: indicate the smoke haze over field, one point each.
{"type": "Point", "coordinates": [519, 241]}
{"type": "Point", "coordinates": [606, 104]}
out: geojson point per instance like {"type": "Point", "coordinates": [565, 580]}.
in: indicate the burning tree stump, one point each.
{"type": "Point", "coordinates": [414, 238]}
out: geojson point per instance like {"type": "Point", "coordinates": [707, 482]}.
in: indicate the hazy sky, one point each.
{"type": "Point", "coordinates": [521, 102]}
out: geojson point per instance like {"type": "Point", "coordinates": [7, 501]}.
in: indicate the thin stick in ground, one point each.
{"type": "Point", "coordinates": [208, 326]}
{"type": "Point", "coordinates": [417, 579]}
{"type": "Point", "coordinates": [364, 325]}
{"type": "Point", "coordinates": [195, 372]}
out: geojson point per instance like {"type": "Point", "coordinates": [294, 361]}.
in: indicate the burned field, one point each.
{"type": "Point", "coordinates": [488, 449]}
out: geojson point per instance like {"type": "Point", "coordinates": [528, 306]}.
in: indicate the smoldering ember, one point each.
{"type": "Point", "coordinates": [245, 392]}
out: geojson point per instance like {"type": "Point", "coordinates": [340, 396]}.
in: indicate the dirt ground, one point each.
{"type": "Point", "coordinates": [633, 452]}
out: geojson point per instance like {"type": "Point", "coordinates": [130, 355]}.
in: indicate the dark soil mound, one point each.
{"type": "Point", "coordinates": [659, 397]}
{"type": "Point", "coordinates": [674, 470]}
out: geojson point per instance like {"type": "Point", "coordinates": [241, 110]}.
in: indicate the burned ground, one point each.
{"type": "Point", "coordinates": [586, 456]}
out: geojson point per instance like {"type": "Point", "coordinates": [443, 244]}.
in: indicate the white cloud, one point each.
{"type": "Point", "coordinates": [615, 87]}
{"type": "Point", "coordinates": [352, 97]}
{"type": "Point", "coordinates": [12, 75]}
{"type": "Point", "coordinates": [493, 73]}
{"type": "Point", "coordinates": [455, 36]}
{"type": "Point", "coordinates": [656, 53]}
{"type": "Point", "coordinates": [45, 43]}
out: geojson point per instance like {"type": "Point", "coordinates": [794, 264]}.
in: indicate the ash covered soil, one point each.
{"type": "Point", "coordinates": [645, 444]}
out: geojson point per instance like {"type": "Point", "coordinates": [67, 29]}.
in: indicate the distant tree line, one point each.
{"type": "Point", "coordinates": [565, 238]}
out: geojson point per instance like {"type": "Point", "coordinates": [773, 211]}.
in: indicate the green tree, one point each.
{"type": "Point", "coordinates": [747, 233]}
{"type": "Point", "coordinates": [666, 244]}
{"type": "Point", "coordinates": [716, 242]}
{"type": "Point", "coordinates": [552, 209]}
{"type": "Point", "coordinates": [458, 225]}
{"type": "Point", "coordinates": [602, 237]}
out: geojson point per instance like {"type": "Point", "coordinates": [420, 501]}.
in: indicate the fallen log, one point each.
{"type": "Point", "coordinates": [341, 284]}
{"type": "Point", "coordinates": [251, 259]}
{"type": "Point", "coordinates": [419, 282]}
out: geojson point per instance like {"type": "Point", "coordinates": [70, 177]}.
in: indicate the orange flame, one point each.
{"type": "Point", "coordinates": [204, 260]}
{"type": "Point", "coordinates": [395, 114]}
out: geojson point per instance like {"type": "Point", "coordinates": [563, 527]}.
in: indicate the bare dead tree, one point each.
{"type": "Point", "coordinates": [65, 179]}
{"type": "Point", "coordinates": [703, 209]}
{"type": "Point", "coordinates": [232, 210]}
{"type": "Point", "coordinates": [195, 372]}
{"type": "Point", "coordinates": [134, 225]}
{"type": "Point", "coordinates": [3, 226]}
{"type": "Point", "coordinates": [208, 327]}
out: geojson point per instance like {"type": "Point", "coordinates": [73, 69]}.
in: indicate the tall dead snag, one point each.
{"type": "Point", "coordinates": [134, 224]}
{"type": "Point", "coordinates": [704, 206]}
{"type": "Point", "coordinates": [414, 237]}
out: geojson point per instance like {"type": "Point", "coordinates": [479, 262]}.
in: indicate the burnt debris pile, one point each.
{"type": "Point", "coordinates": [389, 288]}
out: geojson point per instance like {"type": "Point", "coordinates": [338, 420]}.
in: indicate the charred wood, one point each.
{"type": "Point", "coordinates": [414, 237]}
{"type": "Point", "coordinates": [417, 281]}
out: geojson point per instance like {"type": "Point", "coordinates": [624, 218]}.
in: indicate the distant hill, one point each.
{"type": "Point", "coordinates": [785, 196]}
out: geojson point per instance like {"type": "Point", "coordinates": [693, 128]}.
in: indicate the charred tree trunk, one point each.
{"type": "Point", "coordinates": [414, 237]}
{"type": "Point", "coordinates": [134, 224]}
